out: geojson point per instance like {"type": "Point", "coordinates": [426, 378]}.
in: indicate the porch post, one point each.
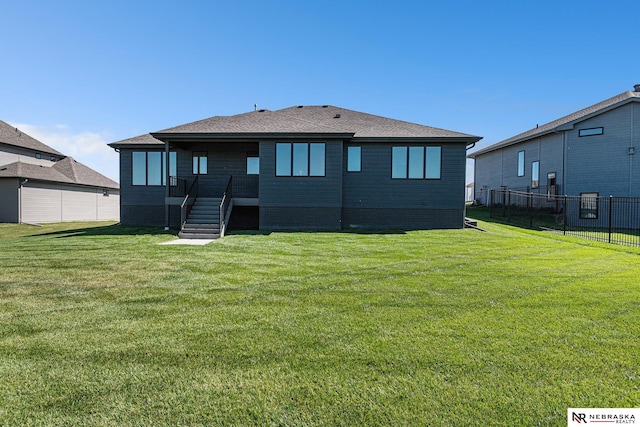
{"type": "Point", "coordinates": [168, 184]}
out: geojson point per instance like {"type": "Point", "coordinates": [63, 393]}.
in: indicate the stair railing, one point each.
{"type": "Point", "coordinates": [187, 203]}
{"type": "Point", "coordinates": [225, 206]}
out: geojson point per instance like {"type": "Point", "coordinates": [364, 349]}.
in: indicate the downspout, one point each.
{"type": "Point", "coordinates": [631, 152]}
{"type": "Point", "coordinates": [20, 199]}
{"type": "Point", "coordinates": [168, 185]}
{"type": "Point", "coordinates": [564, 163]}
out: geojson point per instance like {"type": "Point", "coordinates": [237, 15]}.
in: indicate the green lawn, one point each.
{"type": "Point", "coordinates": [100, 325]}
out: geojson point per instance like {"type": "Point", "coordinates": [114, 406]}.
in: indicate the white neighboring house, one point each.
{"type": "Point", "coordinates": [39, 184]}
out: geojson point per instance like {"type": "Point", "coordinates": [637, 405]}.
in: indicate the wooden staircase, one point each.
{"type": "Point", "coordinates": [203, 221]}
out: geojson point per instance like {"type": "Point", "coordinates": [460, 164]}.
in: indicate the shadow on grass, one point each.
{"type": "Point", "coordinates": [108, 230]}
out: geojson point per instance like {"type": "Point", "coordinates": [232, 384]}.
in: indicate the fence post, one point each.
{"type": "Point", "coordinates": [490, 203]}
{"type": "Point", "coordinates": [509, 208]}
{"type": "Point", "coordinates": [610, 215]}
{"type": "Point", "coordinates": [564, 214]}
{"type": "Point", "coordinates": [530, 207]}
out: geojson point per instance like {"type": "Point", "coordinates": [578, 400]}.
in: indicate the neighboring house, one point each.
{"type": "Point", "coordinates": [590, 152]}
{"type": "Point", "coordinates": [39, 184]}
{"type": "Point", "coordinates": [299, 168]}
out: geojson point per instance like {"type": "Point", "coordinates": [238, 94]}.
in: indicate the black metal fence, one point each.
{"type": "Point", "coordinates": [605, 219]}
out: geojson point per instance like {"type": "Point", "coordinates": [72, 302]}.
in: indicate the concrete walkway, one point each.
{"type": "Point", "coordinates": [192, 242]}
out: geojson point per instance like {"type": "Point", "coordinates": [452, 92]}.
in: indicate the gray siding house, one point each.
{"type": "Point", "coordinates": [299, 168]}
{"type": "Point", "coordinates": [589, 152]}
{"type": "Point", "coordinates": [39, 184]}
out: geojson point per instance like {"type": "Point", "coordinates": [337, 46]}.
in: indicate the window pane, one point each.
{"type": "Point", "coordinates": [590, 132]}
{"type": "Point", "coordinates": [173, 163]}
{"type": "Point", "coordinates": [139, 173]}
{"type": "Point", "coordinates": [154, 168]}
{"type": "Point", "coordinates": [354, 160]}
{"type": "Point", "coordinates": [316, 159]}
{"type": "Point", "coordinates": [399, 162]}
{"type": "Point", "coordinates": [283, 159]}
{"type": "Point", "coordinates": [535, 174]}
{"type": "Point", "coordinates": [300, 159]}
{"type": "Point", "coordinates": [253, 165]}
{"type": "Point", "coordinates": [195, 164]}
{"type": "Point", "coordinates": [203, 165]}
{"type": "Point", "coordinates": [416, 162]}
{"type": "Point", "coordinates": [434, 160]}
{"type": "Point", "coordinates": [520, 163]}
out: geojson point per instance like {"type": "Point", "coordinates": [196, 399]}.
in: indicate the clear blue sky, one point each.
{"type": "Point", "coordinates": [80, 74]}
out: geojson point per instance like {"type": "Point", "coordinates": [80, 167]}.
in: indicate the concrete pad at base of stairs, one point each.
{"type": "Point", "coordinates": [192, 242]}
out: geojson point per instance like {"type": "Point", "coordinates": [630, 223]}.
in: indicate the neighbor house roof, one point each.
{"type": "Point", "coordinates": [66, 171]}
{"type": "Point", "coordinates": [564, 123]}
{"type": "Point", "coordinates": [323, 120]}
{"type": "Point", "coordinates": [13, 136]}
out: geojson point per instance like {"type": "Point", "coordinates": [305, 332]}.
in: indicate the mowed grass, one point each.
{"type": "Point", "coordinates": [100, 325]}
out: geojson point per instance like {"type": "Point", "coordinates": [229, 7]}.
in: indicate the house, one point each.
{"type": "Point", "coordinates": [588, 153]}
{"type": "Point", "coordinates": [298, 168]}
{"type": "Point", "coordinates": [39, 184]}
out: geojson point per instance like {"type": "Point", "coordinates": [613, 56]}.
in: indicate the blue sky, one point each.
{"type": "Point", "coordinates": [80, 74]}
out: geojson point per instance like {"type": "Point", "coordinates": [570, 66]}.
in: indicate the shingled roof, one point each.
{"type": "Point", "coordinates": [299, 120]}
{"type": "Point", "coordinates": [67, 171]}
{"type": "Point", "coordinates": [13, 136]}
{"type": "Point", "coordinates": [566, 122]}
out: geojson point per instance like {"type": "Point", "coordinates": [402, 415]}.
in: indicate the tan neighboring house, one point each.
{"type": "Point", "coordinates": [39, 184]}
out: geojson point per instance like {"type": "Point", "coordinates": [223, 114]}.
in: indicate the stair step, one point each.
{"type": "Point", "coordinates": [201, 227]}
{"type": "Point", "coordinates": [184, 235]}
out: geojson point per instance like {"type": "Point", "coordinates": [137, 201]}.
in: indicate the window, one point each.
{"type": "Point", "coordinates": [434, 157]}
{"type": "Point", "coordinates": [105, 193]}
{"type": "Point", "coordinates": [52, 158]}
{"type": "Point", "coordinates": [535, 174]}
{"type": "Point", "coordinates": [588, 205]}
{"type": "Point", "coordinates": [520, 163]}
{"type": "Point", "coordinates": [200, 163]}
{"type": "Point", "coordinates": [253, 165]}
{"type": "Point", "coordinates": [416, 162]}
{"type": "Point", "coordinates": [300, 159]}
{"type": "Point", "coordinates": [149, 168]}
{"type": "Point", "coordinates": [38, 156]}
{"type": "Point", "coordinates": [354, 159]}
{"type": "Point", "coordinates": [591, 131]}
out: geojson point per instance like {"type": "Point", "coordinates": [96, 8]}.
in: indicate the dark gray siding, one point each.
{"type": "Point", "coordinates": [9, 200]}
{"type": "Point", "coordinates": [371, 199]}
{"type": "Point", "coordinates": [139, 204]}
{"type": "Point", "coordinates": [224, 160]}
{"type": "Point", "coordinates": [144, 205]}
{"type": "Point", "coordinates": [302, 203]}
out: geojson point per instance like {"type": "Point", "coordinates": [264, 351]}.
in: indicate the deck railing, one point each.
{"type": "Point", "coordinates": [189, 199]}
{"type": "Point", "coordinates": [225, 205]}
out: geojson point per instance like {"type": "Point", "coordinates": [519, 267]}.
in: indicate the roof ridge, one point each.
{"type": "Point", "coordinates": [561, 121]}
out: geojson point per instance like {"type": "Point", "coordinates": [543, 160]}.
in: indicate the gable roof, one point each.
{"type": "Point", "coordinates": [66, 171]}
{"type": "Point", "coordinates": [323, 121]}
{"type": "Point", "coordinates": [13, 136]}
{"type": "Point", "coordinates": [564, 123]}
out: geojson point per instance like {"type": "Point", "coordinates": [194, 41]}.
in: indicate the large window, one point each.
{"type": "Point", "coordinates": [300, 159]}
{"type": "Point", "coordinates": [416, 162]}
{"type": "Point", "coordinates": [589, 205]}
{"type": "Point", "coordinates": [535, 174]}
{"type": "Point", "coordinates": [200, 163]}
{"type": "Point", "coordinates": [149, 167]}
{"type": "Point", "coordinates": [354, 159]}
{"type": "Point", "coordinates": [591, 132]}
{"type": "Point", "coordinates": [520, 163]}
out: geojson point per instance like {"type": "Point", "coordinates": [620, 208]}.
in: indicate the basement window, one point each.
{"type": "Point", "coordinates": [591, 131]}
{"type": "Point", "coordinates": [588, 205]}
